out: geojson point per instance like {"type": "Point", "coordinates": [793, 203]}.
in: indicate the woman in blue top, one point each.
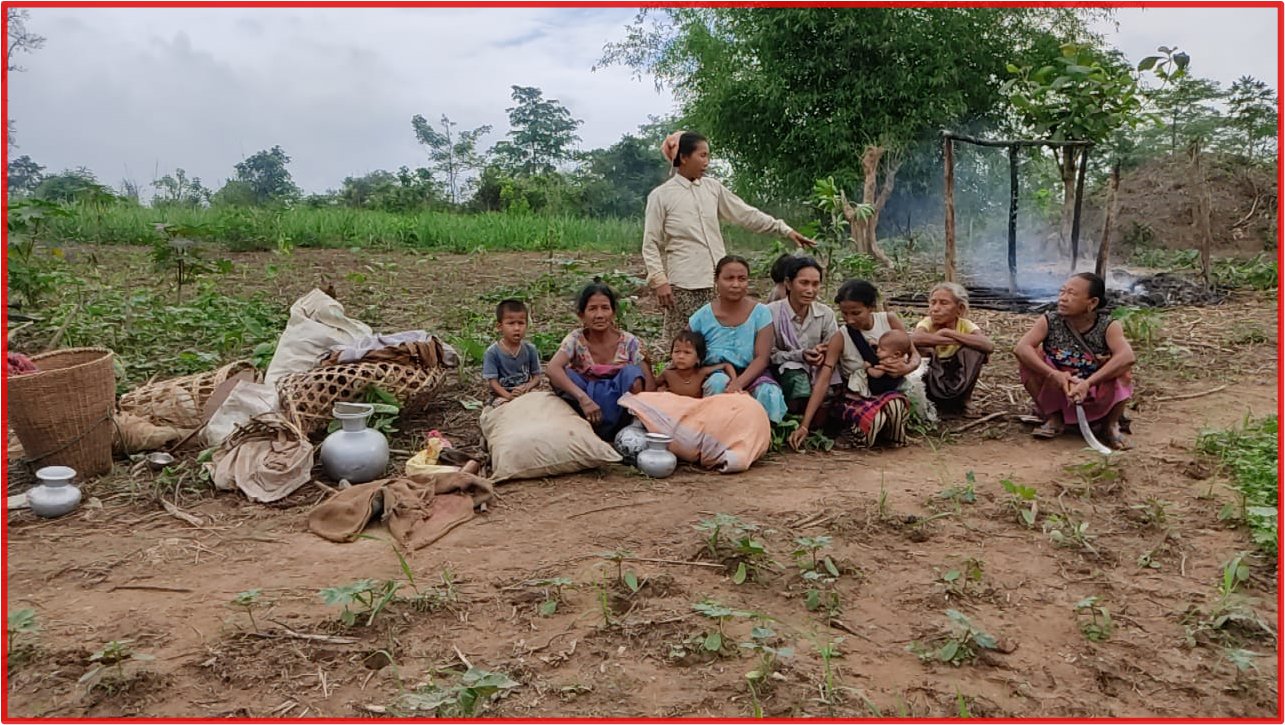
{"type": "Point", "coordinates": [739, 331]}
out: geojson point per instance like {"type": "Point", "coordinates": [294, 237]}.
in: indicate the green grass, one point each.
{"type": "Point", "coordinates": [153, 335]}
{"type": "Point", "coordinates": [246, 229]}
{"type": "Point", "coordinates": [1249, 454]}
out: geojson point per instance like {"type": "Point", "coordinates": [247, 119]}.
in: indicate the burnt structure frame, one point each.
{"type": "Point", "coordinates": [948, 150]}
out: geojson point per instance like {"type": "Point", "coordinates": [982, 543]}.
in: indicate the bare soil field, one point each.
{"type": "Point", "coordinates": [1142, 534]}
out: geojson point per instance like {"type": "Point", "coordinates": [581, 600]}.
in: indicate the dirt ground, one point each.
{"type": "Point", "coordinates": [122, 568]}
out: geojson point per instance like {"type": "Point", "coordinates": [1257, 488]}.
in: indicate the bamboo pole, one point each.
{"type": "Point", "coordinates": [949, 152]}
{"type": "Point", "coordinates": [1079, 204]}
{"type": "Point", "coordinates": [1012, 218]}
{"type": "Point", "coordinates": [1004, 143]}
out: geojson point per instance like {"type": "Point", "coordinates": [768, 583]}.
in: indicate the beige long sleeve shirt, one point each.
{"type": "Point", "coordinates": [682, 240]}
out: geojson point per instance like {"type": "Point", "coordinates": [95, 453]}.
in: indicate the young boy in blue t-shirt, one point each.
{"type": "Point", "coordinates": [511, 366]}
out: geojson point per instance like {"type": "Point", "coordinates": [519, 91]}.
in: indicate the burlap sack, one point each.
{"type": "Point", "coordinates": [317, 323]}
{"type": "Point", "coordinates": [538, 435]}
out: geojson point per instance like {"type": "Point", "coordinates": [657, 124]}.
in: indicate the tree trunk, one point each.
{"type": "Point", "coordinates": [1067, 167]}
{"type": "Point", "coordinates": [1104, 248]}
{"type": "Point", "coordinates": [1200, 211]}
{"type": "Point", "coordinates": [863, 230]}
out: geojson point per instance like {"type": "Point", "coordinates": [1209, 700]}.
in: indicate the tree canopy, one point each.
{"type": "Point", "coordinates": [797, 94]}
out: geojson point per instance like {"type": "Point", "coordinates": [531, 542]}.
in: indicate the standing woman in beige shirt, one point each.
{"type": "Point", "coordinates": [682, 240]}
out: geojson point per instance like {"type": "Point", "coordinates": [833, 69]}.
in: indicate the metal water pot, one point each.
{"type": "Point", "coordinates": [56, 494]}
{"type": "Point", "coordinates": [656, 460]}
{"type": "Point", "coordinates": [355, 453]}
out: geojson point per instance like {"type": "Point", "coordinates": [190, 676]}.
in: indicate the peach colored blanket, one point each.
{"type": "Point", "coordinates": [725, 432]}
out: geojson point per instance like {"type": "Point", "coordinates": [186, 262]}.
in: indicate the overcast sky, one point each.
{"type": "Point", "coordinates": [134, 93]}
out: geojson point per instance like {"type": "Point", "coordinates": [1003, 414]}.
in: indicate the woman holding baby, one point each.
{"type": "Point", "coordinates": [873, 354]}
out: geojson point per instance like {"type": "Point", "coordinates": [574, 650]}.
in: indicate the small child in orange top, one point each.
{"type": "Point", "coordinates": [683, 375]}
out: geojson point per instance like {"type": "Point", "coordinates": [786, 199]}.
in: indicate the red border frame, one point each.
{"type": "Point", "coordinates": [1279, 5]}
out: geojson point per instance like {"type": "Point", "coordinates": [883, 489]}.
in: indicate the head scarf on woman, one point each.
{"type": "Point", "coordinates": [669, 147]}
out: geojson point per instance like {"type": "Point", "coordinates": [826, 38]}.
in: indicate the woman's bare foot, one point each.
{"type": "Point", "coordinates": [1116, 441]}
{"type": "Point", "coordinates": [1051, 428]}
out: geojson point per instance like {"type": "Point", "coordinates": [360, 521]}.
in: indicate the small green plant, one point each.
{"type": "Point", "coordinates": [1022, 500]}
{"type": "Point", "coordinates": [1235, 573]}
{"type": "Point", "coordinates": [1095, 620]}
{"type": "Point", "coordinates": [713, 527]}
{"type": "Point", "coordinates": [113, 655]}
{"type": "Point", "coordinates": [1097, 472]}
{"type": "Point", "coordinates": [829, 685]}
{"type": "Point", "coordinates": [716, 640]}
{"type": "Point", "coordinates": [730, 539]}
{"type": "Point", "coordinates": [1231, 610]}
{"type": "Point", "coordinates": [962, 644]}
{"type": "Point", "coordinates": [19, 624]}
{"type": "Point", "coordinates": [816, 440]}
{"type": "Point", "coordinates": [1066, 532]}
{"type": "Point", "coordinates": [762, 643]}
{"type": "Point", "coordinates": [625, 577]}
{"type": "Point", "coordinates": [33, 271]}
{"type": "Point", "coordinates": [819, 573]}
{"type": "Point", "coordinates": [810, 547]}
{"type": "Point", "coordinates": [552, 594]}
{"type": "Point", "coordinates": [781, 433]}
{"type": "Point", "coordinates": [965, 579]}
{"type": "Point", "coordinates": [368, 595]}
{"type": "Point", "coordinates": [1243, 660]}
{"type": "Point", "coordinates": [248, 600]}
{"type": "Point", "coordinates": [961, 494]}
{"type": "Point", "coordinates": [882, 506]}
{"type": "Point", "coordinates": [175, 253]}
{"type": "Point", "coordinates": [460, 699]}
{"type": "Point", "coordinates": [751, 558]}
{"type": "Point", "coordinates": [604, 603]}
{"type": "Point", "coordinates": [1140, 324]}
{"type": "Point", "coordinates": [1153, 512]}
{"type": "Point", "coordinates": [1174, 259]}
{"type": "Point", "coordinates": [1247, 334]}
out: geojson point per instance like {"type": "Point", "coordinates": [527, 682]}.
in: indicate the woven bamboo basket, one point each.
{"type": "Point", "coordinates": [200, 386]}
{"type": "Point", "coordinates": [307, 398]}
{"type": "Point", "coordinates": [63, 414]}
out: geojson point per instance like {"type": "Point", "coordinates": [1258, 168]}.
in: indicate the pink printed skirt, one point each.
{"type": "Point", "coordinates": [1101, 399]}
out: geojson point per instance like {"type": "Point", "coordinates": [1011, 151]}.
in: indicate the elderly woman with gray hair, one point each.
{"type": "Point", "coordinates": [956, 349]}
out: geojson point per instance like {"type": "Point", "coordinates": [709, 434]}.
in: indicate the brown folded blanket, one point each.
{"type": "Point", "coordinates": [417, 509]}
{"type": "Point", "coordinates": [427, 354]}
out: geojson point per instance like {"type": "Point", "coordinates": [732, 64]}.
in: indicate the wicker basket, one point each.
{"type": "Point", "coordinates": [63, 414]}
{"type": "Point", "coordinates": [143, 400]}
{"type": "Point", "coordinates": [307, 398]}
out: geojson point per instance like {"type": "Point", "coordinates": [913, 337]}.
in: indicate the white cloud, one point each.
{"type": "Point", "coordinates": [137, 92]}
{"type": "Point", "coordinates": [1224, 43]}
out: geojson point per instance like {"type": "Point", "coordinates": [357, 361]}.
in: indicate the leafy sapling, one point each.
{"type": "Point", "coordinates": [552, 594]}
{"type": "Point", "coordinates": [1095, 620]}
{"type": "Point", "coordinates": [248, 600]}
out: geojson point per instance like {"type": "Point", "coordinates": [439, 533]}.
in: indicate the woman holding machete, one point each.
{"type": "Point", "coordinates": [1078, 356]}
